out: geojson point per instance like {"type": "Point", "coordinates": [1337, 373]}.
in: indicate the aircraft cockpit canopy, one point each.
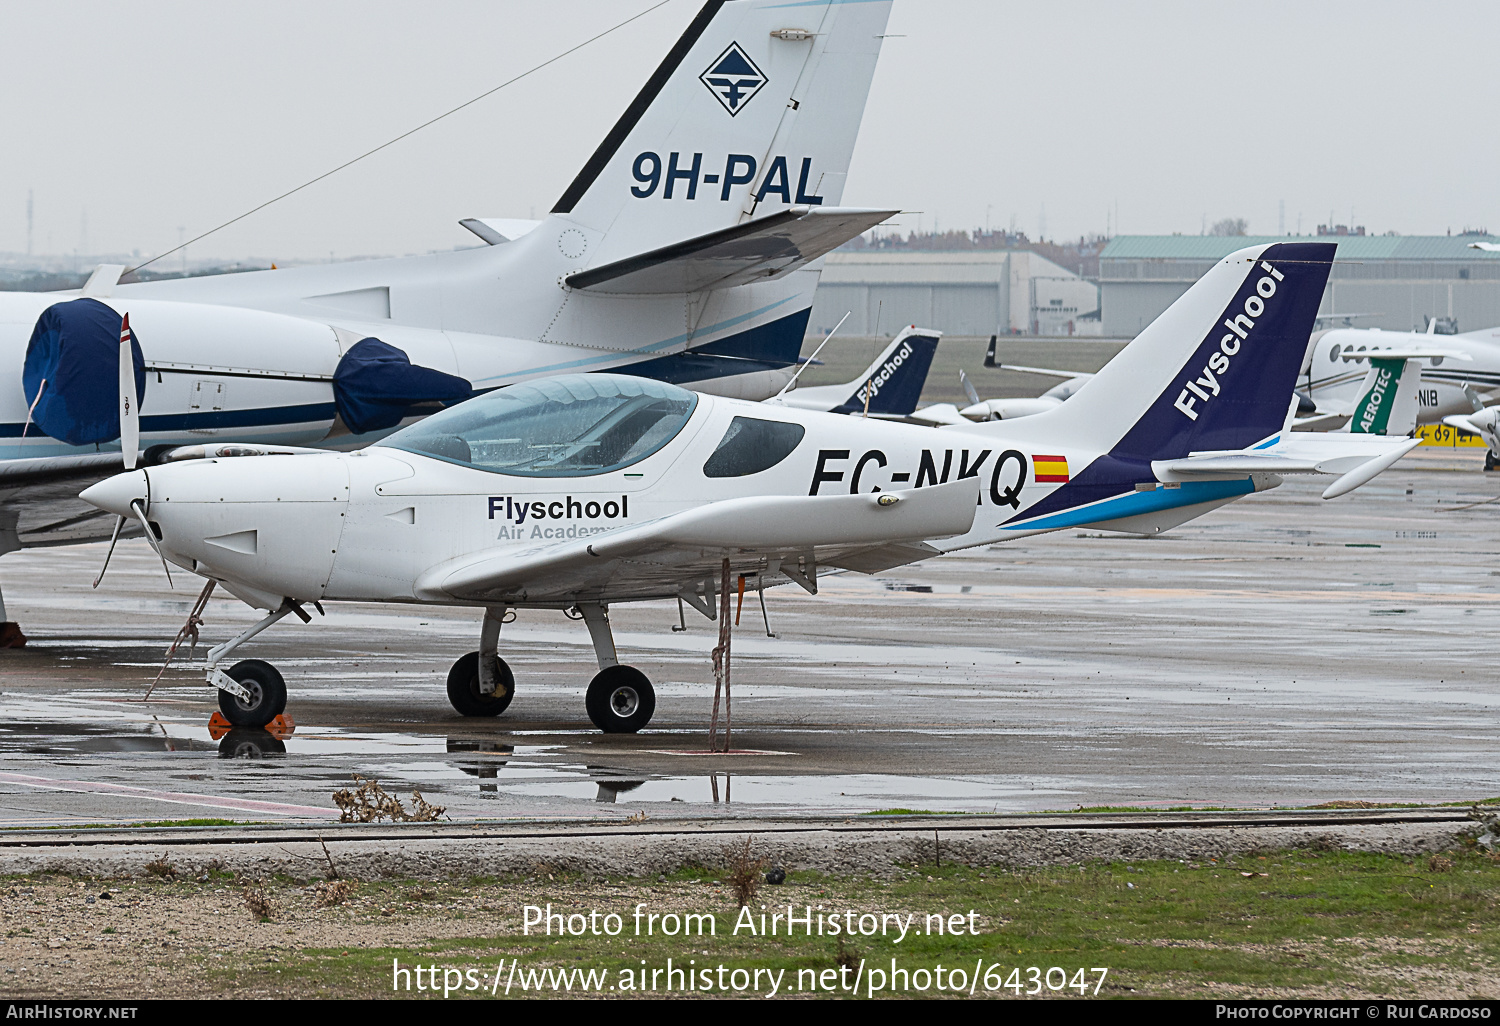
{"type": "Point", "coordinates": [568, 426]}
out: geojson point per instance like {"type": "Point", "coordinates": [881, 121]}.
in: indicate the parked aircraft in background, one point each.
{"type": "Point", "coordinates": [1002, 409]}
{"type": "Point", "coordinates": [681, 252]}
{"type": "Point", "coordinates": [1457, 371]}
{"type": "Point", "coordinates": [580, 491]}
{"type": "Point", "coordinates": [1383, 399]}
{"type": "Point", "coordinates": [889, 388]}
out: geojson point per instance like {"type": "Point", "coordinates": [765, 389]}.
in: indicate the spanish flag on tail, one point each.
{"type": "Point", "coordinates": [1050, 469]}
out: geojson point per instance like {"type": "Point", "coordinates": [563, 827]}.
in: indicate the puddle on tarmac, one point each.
{"type": "Point", "coordinates": [76, 731]}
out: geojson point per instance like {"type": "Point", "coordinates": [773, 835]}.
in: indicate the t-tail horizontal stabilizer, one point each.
{"type": "Point", "coordinates": [758, 250]}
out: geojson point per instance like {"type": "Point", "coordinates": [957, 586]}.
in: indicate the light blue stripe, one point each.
{"type": "Point", "coordinates": [654, 347]}
{"type": "Point", "coordinates": [1136, 503]}
{"type": "Point", "coordinates": [1267, 445]}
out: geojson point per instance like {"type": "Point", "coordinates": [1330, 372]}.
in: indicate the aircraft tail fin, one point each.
{"type": "Point", "coordinates": [1216, 371]}
{"type": "Point", "coordinates": [1387, 403]}
{"type": "Point", "coordinates": [753, 112]}
{"type": "Point", "coordinates": [895, 380]}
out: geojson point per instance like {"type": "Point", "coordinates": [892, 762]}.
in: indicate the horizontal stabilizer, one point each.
{"type": "Point", "coordinates": [497, 230]}
{"type": "Point", "coordinates": [758, 250]}
{"type": "Point", "coordinates": [1356, 458]}
{"type": "Point", "coordinates": [940, 414]}
{"type": "Point", "coordinates": [1327, 420]}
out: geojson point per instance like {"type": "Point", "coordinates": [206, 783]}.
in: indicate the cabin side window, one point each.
{"type": "Point", "coordinates": [751, 446]}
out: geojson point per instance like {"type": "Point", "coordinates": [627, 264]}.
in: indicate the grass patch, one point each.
{"type": "Point", "coordinates": [1306, 923]}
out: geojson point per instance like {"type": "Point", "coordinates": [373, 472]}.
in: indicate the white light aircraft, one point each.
{"type": "Point", "coordinates": [578, 492]}
{"type": "Point", "coordinates": [1003, 409]}
{"type": "Point", "coordinates": [684, 250]}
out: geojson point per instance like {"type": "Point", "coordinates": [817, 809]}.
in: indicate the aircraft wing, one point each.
{"type": "Point", "coordinates": [42, 494]}
{"type": "Point", "coordinates": [758, 250]}
{"type": "Point", "coordinates": [1044, 370]}
{"type": "Point", "coordinates": [775, 538]}
{"type": "Point", "coordinates": [1357, 459]}
{"type": "Point", "coordinates": [1407, 353]}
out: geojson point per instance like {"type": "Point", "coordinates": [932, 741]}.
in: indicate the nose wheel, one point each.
{"type": "Point", "coordinates": [267, 694]}
{"type": "Point", "coordinates": [464, 692]}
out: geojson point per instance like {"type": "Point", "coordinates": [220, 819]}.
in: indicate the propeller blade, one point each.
{"type": "Point", "coordinates": [130, 414]}
{"type": "Point", "coordinates": [969, 389]}
{"type": "Point", "coordinates": [140, 514]}
{"type": "Point", "coordinates": [119, 523]}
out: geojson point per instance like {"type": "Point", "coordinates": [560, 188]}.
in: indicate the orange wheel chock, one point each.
{"type": "Point", "coordinates": [218, 726]}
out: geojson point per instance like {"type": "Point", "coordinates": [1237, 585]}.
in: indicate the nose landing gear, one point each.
{"type": "Point", "coordinates": [264, 698]}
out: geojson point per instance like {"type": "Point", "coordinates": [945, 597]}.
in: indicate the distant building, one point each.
{"type": "Point", "coordinates": [971, 292]}
{"type": "Point", "coordinates": [1396, 282]}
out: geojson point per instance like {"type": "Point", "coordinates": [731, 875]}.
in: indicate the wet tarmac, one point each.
{"type": "Point", "coordinates": [1279, 651]}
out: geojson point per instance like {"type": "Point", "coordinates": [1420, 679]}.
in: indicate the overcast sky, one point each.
{"type": "Point", "coordinates": [142, 118]}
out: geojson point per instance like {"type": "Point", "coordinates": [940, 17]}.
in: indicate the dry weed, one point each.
{"type": "Point", "coordinates": [162, 868]}
{"type": "Point", "coordinates": [257, 903]}
{"type": "Point", "coordinates": [335, 892]}
{"type": "Point", "coordinates": [369, 803]}
{"type": "Point", "coordinates": [742, 871]}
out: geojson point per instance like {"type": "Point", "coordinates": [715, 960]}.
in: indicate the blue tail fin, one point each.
{"type": "Point", "coordinates": [896, 378]}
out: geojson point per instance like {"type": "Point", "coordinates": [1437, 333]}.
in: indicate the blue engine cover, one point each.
{"type": "Point", "coordinates": [75, 349]}
{"type": "Point", "coordinates": [375, 384]}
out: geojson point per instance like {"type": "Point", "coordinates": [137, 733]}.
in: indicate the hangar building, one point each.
{"type": "Point", "coordinates": [969, 292]}
{"type": "Point", "coordinates": [1397, 281]}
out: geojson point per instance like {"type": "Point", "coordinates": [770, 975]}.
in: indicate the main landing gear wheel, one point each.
{"type": "Point", "coordinates": [267, 694]}
{"type": "Point", "coordinates": [620, 700]}
{"type": "Point", "coordinates": [463, 687]}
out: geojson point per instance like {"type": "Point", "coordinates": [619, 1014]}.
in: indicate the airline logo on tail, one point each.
{"type": "Point", "coordinates": [871, 388]}
{"type": "Point", "coordinates": [1209, 383]}
{"type": "Point", "coordinates": [733, 79]}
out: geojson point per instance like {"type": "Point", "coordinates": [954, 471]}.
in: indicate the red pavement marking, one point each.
{"type": "Point", "coordinates": [172, 797]}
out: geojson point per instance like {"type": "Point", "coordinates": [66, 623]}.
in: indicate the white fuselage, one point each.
{"type": "Point", "coordinates": [366, 525]}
